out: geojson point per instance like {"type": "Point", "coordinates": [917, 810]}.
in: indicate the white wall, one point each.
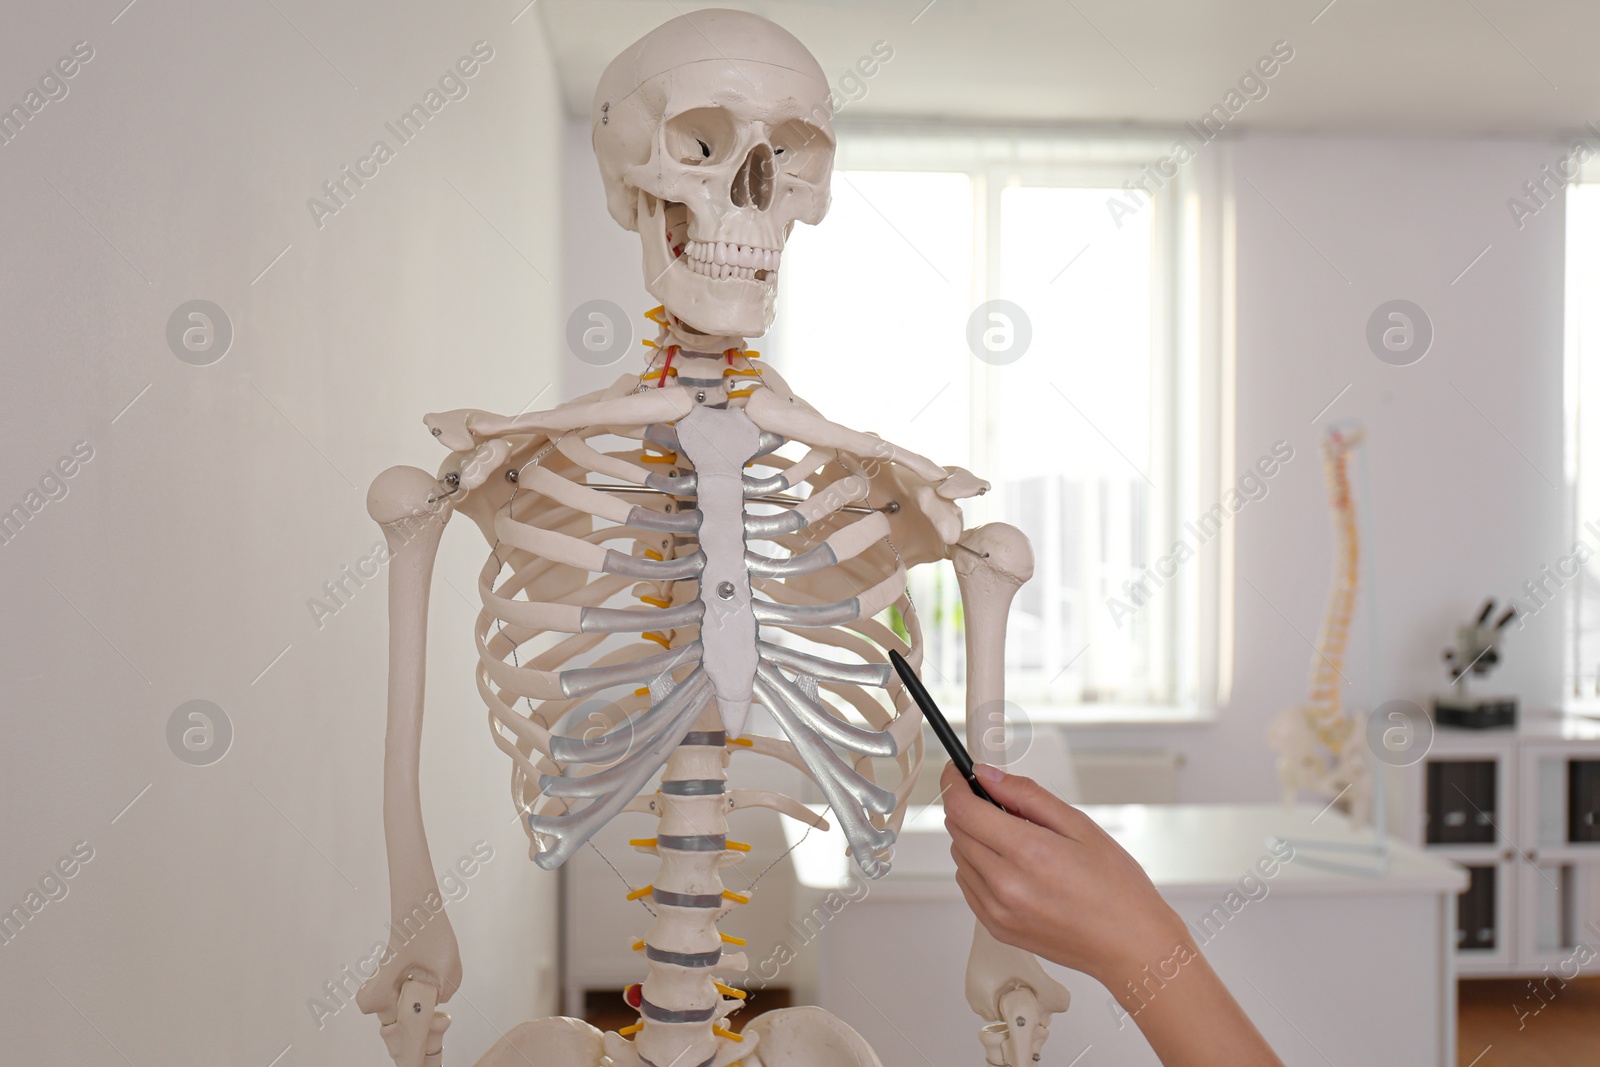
{"type": "Point", "coordinates": [182, 559]}
{"type": "Point", "coordinates": [1460, 508]}
{"type": "Point", "coordinates": [601, 261]}
{"type": "Point", "coordinates": [1460, 505]}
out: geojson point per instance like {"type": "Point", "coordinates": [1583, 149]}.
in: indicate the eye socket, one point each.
{"type": "Point", "coordinates": [802, 150]}
{"type": "Point", "coordinates": [704, 135]}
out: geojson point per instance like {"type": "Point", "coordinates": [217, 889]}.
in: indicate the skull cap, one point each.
{"type": "Point", "coordinates": [713, 34]}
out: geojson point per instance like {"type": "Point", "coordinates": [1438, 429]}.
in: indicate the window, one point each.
{"type": "Point", "coordinates": [980, 300]}
{"type": "Point", "coordinates": [1583, 448]}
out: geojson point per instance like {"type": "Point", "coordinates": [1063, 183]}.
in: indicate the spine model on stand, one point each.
{"type": "Point", "coordinates": [1320, 744]}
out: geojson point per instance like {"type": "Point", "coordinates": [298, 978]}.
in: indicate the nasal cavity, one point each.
{"type": "Point", "coordinates": [752, 185]}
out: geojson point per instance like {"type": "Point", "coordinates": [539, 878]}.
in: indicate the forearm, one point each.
{"type": "Point", "coordinates": [1186, 1013]}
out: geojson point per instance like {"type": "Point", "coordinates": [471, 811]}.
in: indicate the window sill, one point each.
{"type": "Point", "coordinates": [1587, 707]}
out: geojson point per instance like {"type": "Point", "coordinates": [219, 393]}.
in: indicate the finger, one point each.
{"type": "Point", "coordinates": [1004, 833]}
{"type": "Point", "coordinates": [955, 793]}
{"type": "Point", "coordinates": [974, 851]}
{"type": "Point", "coordinates": [951, 782]}
{"type": "Point", "coordinates": [1025, 797]}
{"type": "Point", "coordinates": [979, 897]}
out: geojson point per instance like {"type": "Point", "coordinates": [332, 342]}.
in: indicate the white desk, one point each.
{"type": "Point", "coordinates": [1339, 969]}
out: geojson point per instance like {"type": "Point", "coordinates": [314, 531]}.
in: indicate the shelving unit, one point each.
{"type": "Point", "coordinates": [1520, 810]}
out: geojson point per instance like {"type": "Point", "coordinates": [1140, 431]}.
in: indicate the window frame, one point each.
{"type": "Point", "coordinates": [1573, 699]}
{"type": "Point", "coordinates": [1192, 300]}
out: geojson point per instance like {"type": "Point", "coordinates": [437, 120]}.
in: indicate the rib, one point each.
{"type": "Point", "coordinates": [622, 782]}
{"type": "Point", "coordinates": [856, 608]}
{"type": "Point", "coordinates": [826, 723]}
{"type": "Point", "coordinates": [843, 544]}
{"type": "Point", "coordinates": [582, 681]}
{"type": "Point", "coordinates": [826, 670]}
{"type": "Point", "coordinates": [846, 791]}
{"type": "Point", "coordinates": [617, 743]}
{"type": "Point", "coordinates": [790, 476]}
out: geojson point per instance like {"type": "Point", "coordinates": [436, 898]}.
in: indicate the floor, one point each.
{"type": "Point", "coordinates": [1514, 1023]}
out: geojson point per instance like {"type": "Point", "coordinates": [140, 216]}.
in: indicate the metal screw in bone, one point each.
{"type": "Point", "coordinates": [892, 507]}
{"type": "Point", "coordinates": [725, 590]}
{"type": "Point", "coordinates": [511, 475]}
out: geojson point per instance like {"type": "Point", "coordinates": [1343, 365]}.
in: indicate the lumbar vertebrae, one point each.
{"type": "Point", "coordinates": [745, 573]}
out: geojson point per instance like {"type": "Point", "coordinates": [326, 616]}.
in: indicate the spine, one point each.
{"type": "Point", "coordinates": [1327, 708]}
{"type": "Point", "coordinates": [681, 1003]}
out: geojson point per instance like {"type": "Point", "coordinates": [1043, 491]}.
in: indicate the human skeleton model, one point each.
{"type": "Point", "coordinates": [1319, 744]}
{"type": "Point", "coordinates": [714, 137]}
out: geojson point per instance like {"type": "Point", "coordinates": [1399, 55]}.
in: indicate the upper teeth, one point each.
{"type": "Point", "coordinates": [719, 259]}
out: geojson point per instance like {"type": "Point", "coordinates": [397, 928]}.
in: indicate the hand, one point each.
{"type": "Point", "coordinates": [1047, 879]}
{"type": "Point", "coordinates": [1043, 877]}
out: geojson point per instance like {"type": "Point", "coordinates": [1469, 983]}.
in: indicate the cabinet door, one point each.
{"type": "Point", "coordinates": [1559, 907]}
{"type": "Point", "coordinates": [1486, 914]}
{"type": "Point", "coordinates": [1583, 802]}
{"type": "Point", "coordinates": [1561, 801]}
{"type": "Point", "coordinates": [1462, 797]}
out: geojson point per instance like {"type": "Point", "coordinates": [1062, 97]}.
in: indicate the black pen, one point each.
{"type": "Point", "coordinates": [941, 726]}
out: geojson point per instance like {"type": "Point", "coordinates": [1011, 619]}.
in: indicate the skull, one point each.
{"type": "Point", "coordinates": [714, 134]}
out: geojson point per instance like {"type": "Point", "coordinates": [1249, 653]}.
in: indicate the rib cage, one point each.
{"type": "Point", "coordinates": [571, 565]}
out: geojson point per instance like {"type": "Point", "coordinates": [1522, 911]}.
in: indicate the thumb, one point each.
{"type": "Point", "coordinates": [1025, 797]}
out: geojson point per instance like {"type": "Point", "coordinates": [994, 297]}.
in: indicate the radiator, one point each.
{"type": "Point", "coordinates": [1127, 776]}
{"type": "Point", "coordinates": [1077, 775]}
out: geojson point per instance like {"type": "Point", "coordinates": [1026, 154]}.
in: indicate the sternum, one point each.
{"type": "Point", "coordinates": [718, 442]}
